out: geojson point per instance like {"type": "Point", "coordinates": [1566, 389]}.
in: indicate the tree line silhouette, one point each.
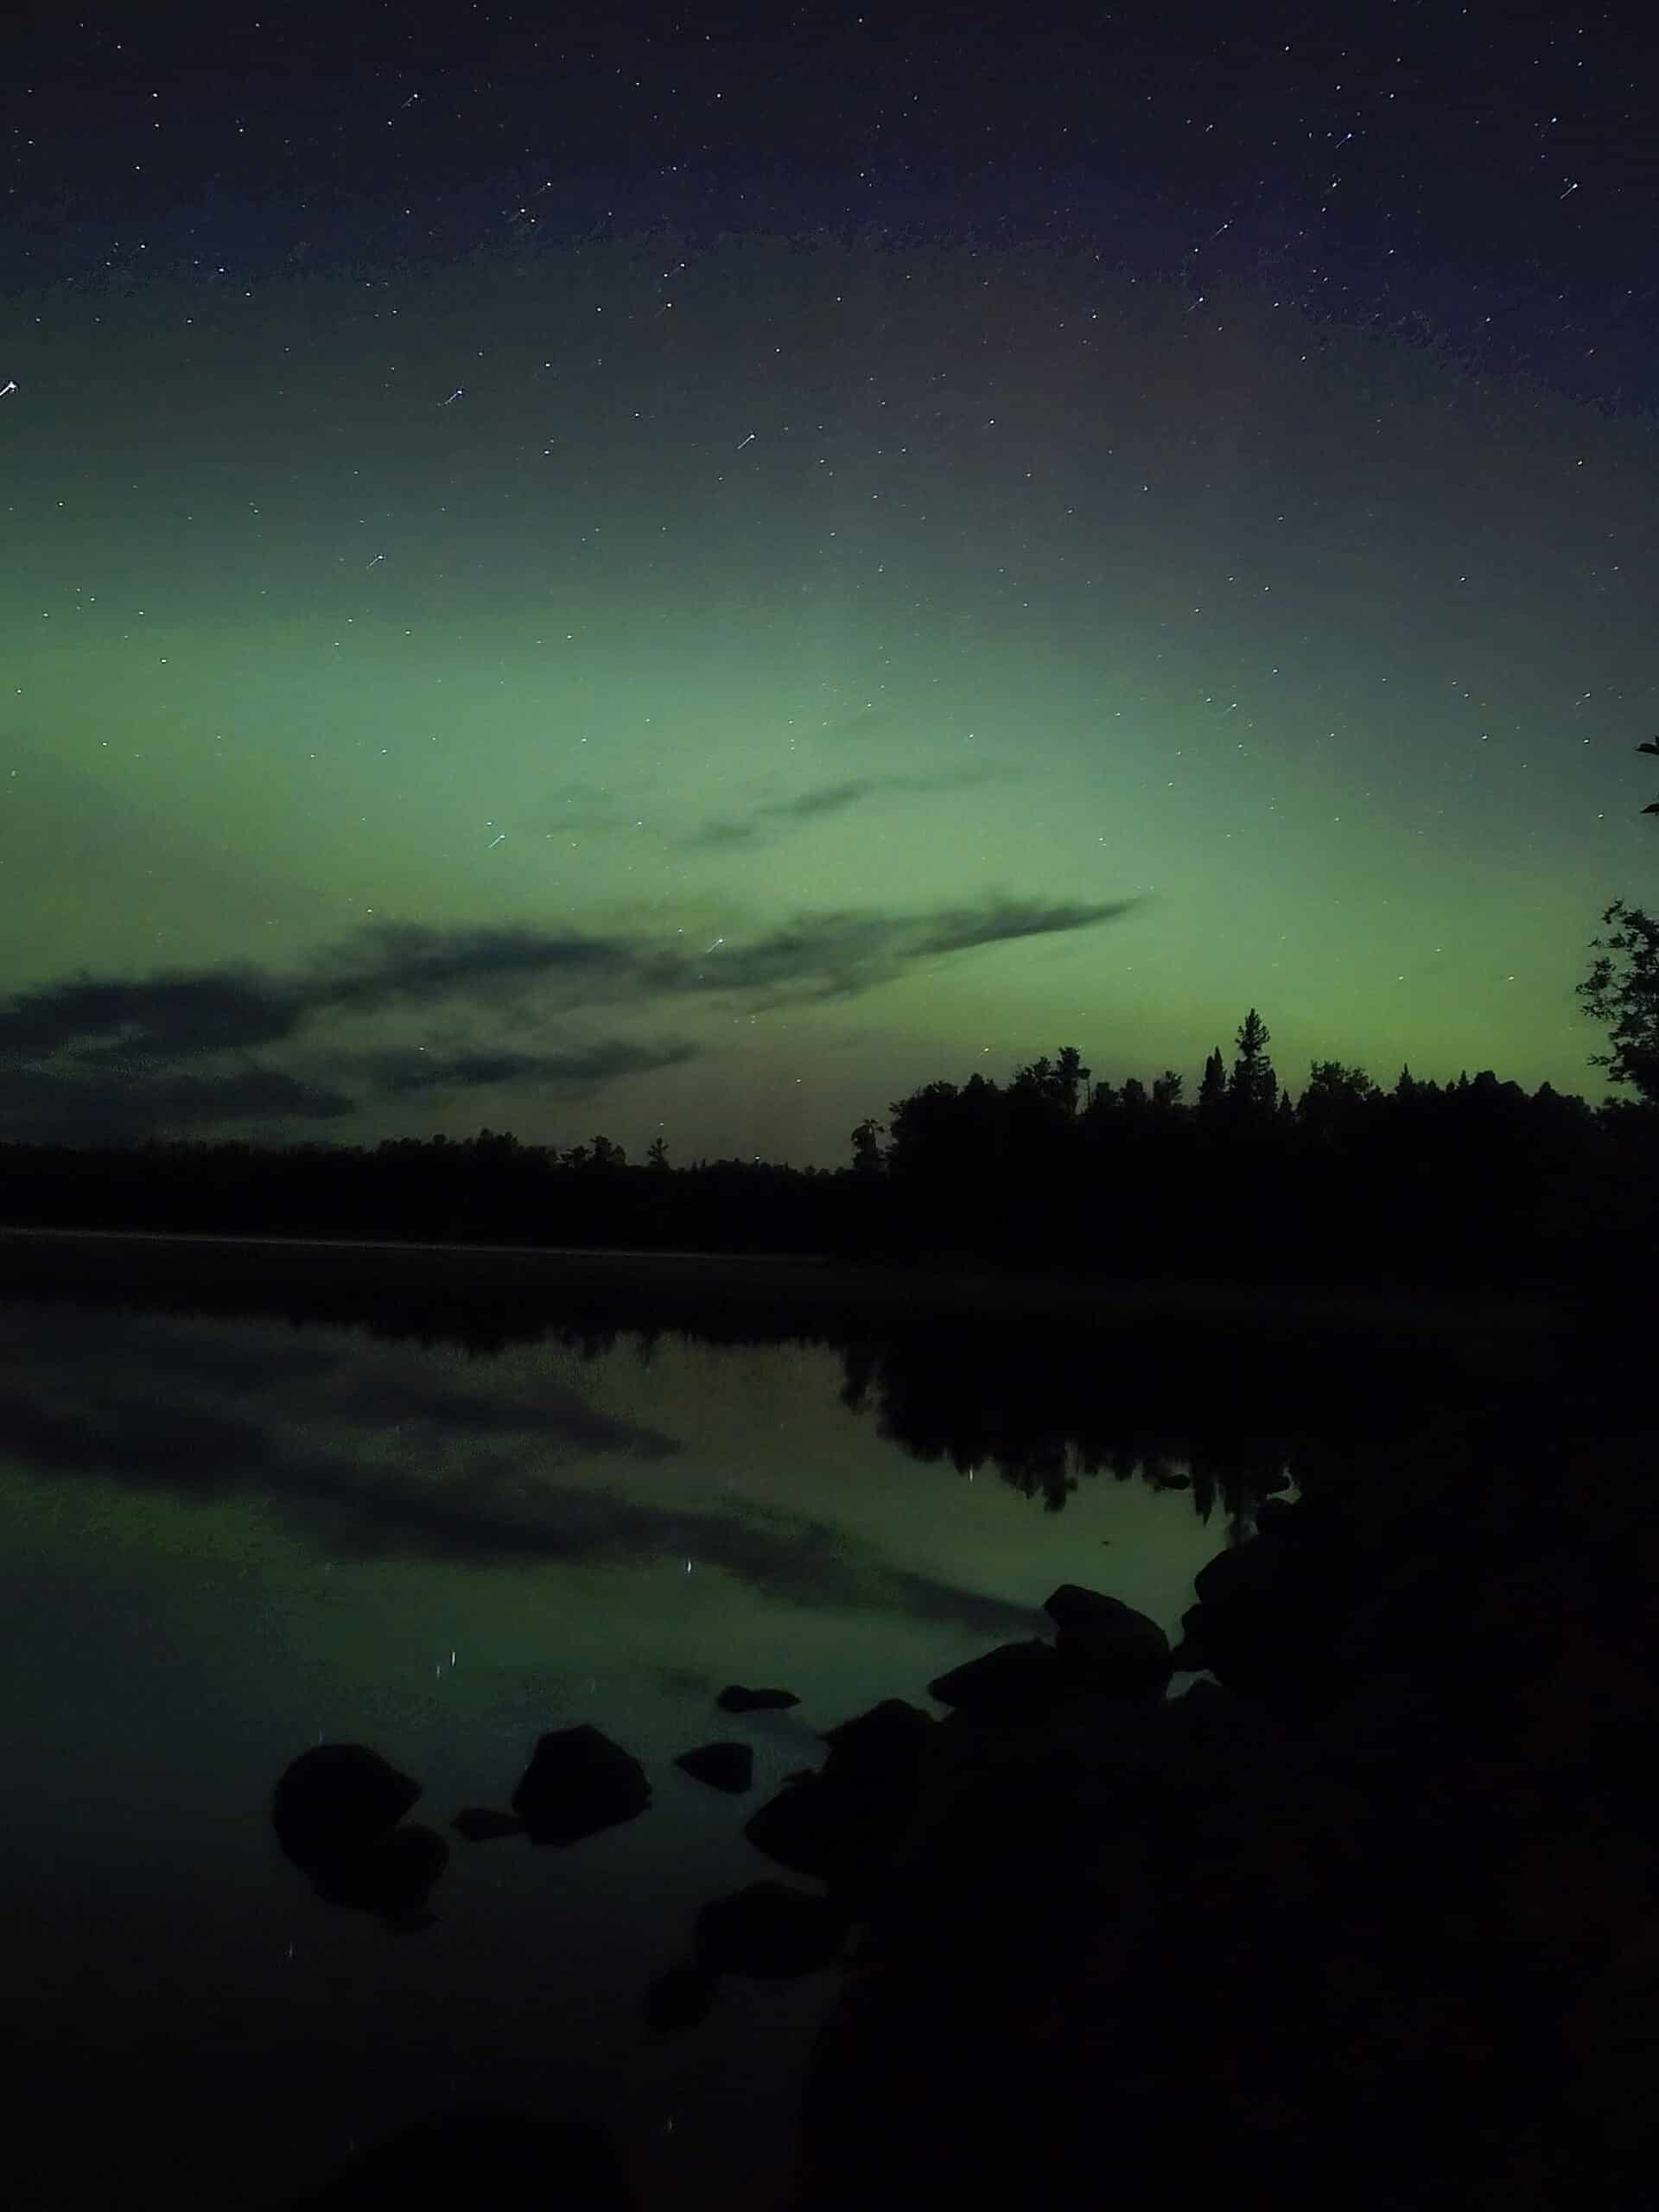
{"type": "Point", "coordinates": [1475, 1182]}
{"type": "Point", "coordinates": [1469, 1182]}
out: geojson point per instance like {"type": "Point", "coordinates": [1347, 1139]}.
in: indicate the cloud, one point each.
{"type": "Point", "coordinates": [100, 1102]}
{"type": "Point", "coordinates": [842, 955]}
{"type": "Point", "coordinates": [569, 1074]}
{"type": "Point", "coordinates": [393, 964]}
{"type": "Point", "coordinates": [773, 816]}
{"type": "Point", "coordinates": [200, 1012]}
{"type": "Point", "coordinates": [809, 806]}
{"type": "Point", "coordinates": [113, 1058]}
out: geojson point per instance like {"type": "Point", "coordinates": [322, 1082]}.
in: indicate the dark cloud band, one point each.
{"type": "Point", "coordinates": [117, 1057]}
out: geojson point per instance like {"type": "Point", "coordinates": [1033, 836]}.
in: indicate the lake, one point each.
{"type": "Point", "coordinates": [225, 1537]}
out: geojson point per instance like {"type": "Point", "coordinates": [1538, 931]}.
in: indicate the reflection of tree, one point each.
{"type": "Point", "coordinates": [1219, 1411]}
{"type": "Point", "coordinates": [1032, 1407]}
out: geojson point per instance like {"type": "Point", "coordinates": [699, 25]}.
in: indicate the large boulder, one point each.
{"type": "Point", "coordinates": [810, 1828]}
{"type": "Point", "coordinates": [991, 1888]}
{"type": "Point", "coordinates": [335, 1812]}
{"type": "Point", "coordinates": [734, 1698]}
{"type": "Point", "coordinates": [337, 1798]}
{"type": "Point", "coordinates": [1249, 1570]}
{"type": "Point", "coordinates": [722, 1766]}
{"type": "Point", "coordinates": [1109, 1644]}
{"type": "Point", "coordinates": [577, 1782]}
{"type": "Point", "coordinates": [880, 1748]}
{"type": "Point", "coordinates": [1015, 1680]}
{"type": "Point", "coordinates": [840, 1824]}
{"type": "Point", "coordinates": [1189, 1652]}
{"type": "Point", "coordinates": [391, 1878]}
{"type": "Point", "coordinates": [771, 1930]}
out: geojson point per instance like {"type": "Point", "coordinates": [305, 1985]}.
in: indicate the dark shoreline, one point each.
{"type": "Point", "coordinates": [779, 1293]}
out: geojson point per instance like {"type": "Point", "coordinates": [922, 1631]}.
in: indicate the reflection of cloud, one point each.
{"type": "Point", "coordinates": [773, 816]}
{"type": "Point", "coordinates": [215, 1410]}
{"type": "Point", "coordinates": [373, 1452]}
{"type": "Point", "coordinates": [121, 1057]}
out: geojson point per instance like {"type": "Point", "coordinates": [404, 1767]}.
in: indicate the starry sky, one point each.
{"type": "Point", "coordinates": [689, 572]}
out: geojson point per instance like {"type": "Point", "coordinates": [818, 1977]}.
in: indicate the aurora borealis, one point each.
{"type": "Point", "coordinates": [693, 578]}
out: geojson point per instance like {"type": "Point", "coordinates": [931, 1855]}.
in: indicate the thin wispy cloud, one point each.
{"type": "Point", "coordinates": [572, 1074]}
{"type": "Point", "coordinates": [774, 818]}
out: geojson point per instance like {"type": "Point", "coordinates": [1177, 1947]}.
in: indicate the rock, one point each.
{"type": "Point", "coordinates": [735, 1699]}
{"type": "Point", "coordinates": [771, 1930]}
{"type": "Point", "coordinates": [1118, 1651]}
{"type": "Point", "coordinates": [577, 1782]}
{"type": "Point", "coordinates": [482, 1823]}
{"type": "Point", "coordinates": [1277, 1516]}
{"type": "Point", "coordinates": [1110, 1669]}
{"type": "Point", "coordinates": [1400, 1865]}
{"type": "Point", "coordinates": [1608, 2031]}
{"type": "Point", "coordinates": [337, 1798]}
{"type": "Point", "coordinates": [482, 2158]}
{"type": "Point", "coordinates": [882, 1748]}
{"type": "Point", "coordinates": [1574, 1896]}
{"type": "Point", "coordinates": [1276, 1661]}
{"type": "Point", "coordinates": [391, 1878]}
{"type": "Point", "coordinates": [997, 1868]}
{"type": "Point", "coordinates": [1026, 1677]}
{"type": "Point", "coordinates": [335, 1812]}
{"type": "Point", "coordinates": [840, 1824]}
{"type": "Point", "coordinates": [679, 1998]}
{"type": "Point", "coordinates": [722, 1766]}
{"type": "Point", "coordinates": [809, 1826]}
{"type": "Point", "coordinates": [1249, 1570]}
{"type": "Point", "coordinates": [1073, 1606]}
{"type": "Point", "coordinates": [1189, 1651]}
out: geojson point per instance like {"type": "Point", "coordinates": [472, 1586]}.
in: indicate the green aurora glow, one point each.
{"type": "Point", "coordinates": [784, 581]}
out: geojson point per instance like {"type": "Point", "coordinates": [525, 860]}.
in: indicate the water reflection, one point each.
{"type": "Point", "coordinates": [226, 1537]}
{"type": "Point", "coordinates": [1220, 1399]}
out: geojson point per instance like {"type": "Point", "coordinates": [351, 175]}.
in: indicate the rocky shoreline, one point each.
{"type": "Point", "coordinates": [1367, 1915]}
{"type": "Point", "coordinates": [1369, 1918]}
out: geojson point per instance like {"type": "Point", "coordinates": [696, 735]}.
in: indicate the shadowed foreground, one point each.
{"type": "Point", "coordinates": [1375, 1922]}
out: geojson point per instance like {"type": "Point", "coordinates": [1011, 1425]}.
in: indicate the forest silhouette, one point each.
{"type": "Point", "coordinates": [1472, 1183]}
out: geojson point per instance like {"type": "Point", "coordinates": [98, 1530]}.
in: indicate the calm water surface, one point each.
{"type": "Point", "coordinates": [222, 1540]}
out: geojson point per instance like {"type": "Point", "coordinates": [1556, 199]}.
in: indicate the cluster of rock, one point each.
{"type": "Point", "coordinates": [338, 1813]}
{"type": "Point", "coordinates": [1368, 1916]}
{"type": "Point", "coordinates": [338, 1809]}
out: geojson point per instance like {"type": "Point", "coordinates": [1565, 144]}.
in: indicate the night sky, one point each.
{"type": "Point", "coordinates": [692, 577]}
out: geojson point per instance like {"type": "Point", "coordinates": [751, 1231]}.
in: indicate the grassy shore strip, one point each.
{"type": "Point", "coordinates": [776, 1292]}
